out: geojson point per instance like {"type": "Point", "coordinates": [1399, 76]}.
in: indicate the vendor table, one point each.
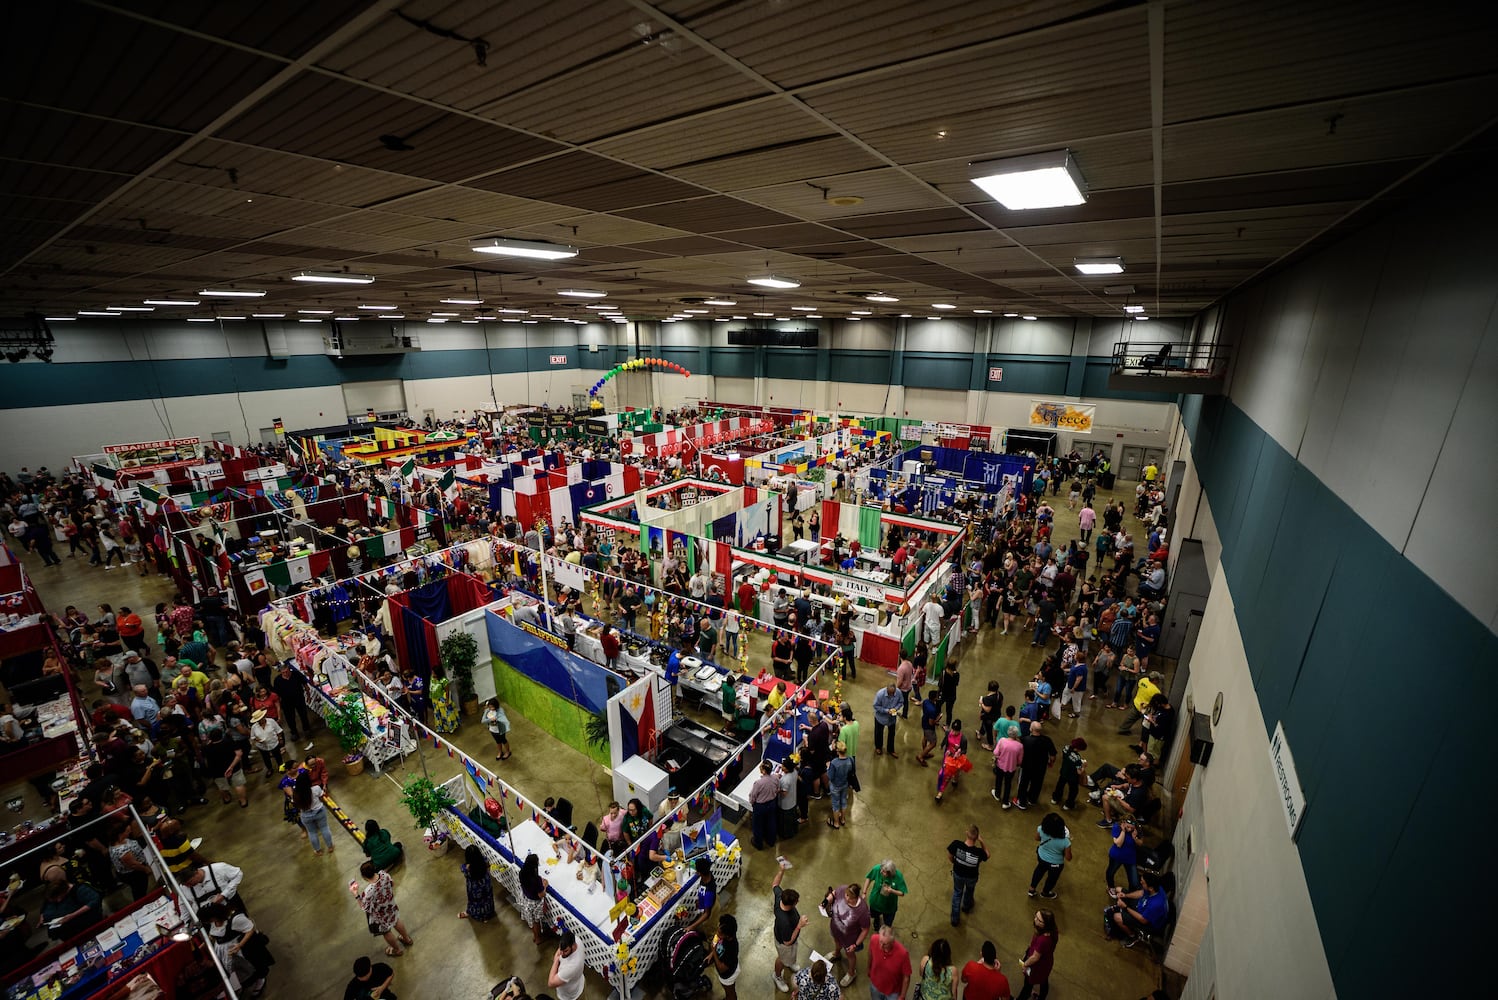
{"type": "Point", "coordinates": [390, 735]}
{"type": "Point", "coordinates": [803, 550]}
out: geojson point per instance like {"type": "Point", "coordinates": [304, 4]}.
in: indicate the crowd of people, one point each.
{"type": "Point", "coordinates": [216, 711]}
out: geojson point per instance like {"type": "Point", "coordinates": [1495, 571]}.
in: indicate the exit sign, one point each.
{"type": "Point", "coordinates": [559, 359]}
{"type": "Point", "coordinates": [996, 374]}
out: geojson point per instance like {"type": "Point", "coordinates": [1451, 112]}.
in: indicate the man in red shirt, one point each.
{"type": "Point", "coordinates": [131, 630]}
{"type": "Point", "coordinates": [889, 966]}
{"type": "Point", "coordinates": [983, 980]}
{"type": "Point", "coordinates": [746, 598]}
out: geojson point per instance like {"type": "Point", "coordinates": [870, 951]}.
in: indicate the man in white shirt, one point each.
{"type": "Point", "coordinates": [566, 976]}
{"type": "Point", "coordinates": [215, 883]}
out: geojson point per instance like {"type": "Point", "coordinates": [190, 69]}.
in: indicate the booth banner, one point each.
{"type": "Point", "coordinates": [1076, 418]}
{"type": "Point", "coordinates": [254, 581]}
{"type": "Point", "coordinates": [148, 453]}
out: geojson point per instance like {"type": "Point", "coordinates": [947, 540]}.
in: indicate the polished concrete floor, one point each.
{"type": "Point", "coordinates": [317, 931]}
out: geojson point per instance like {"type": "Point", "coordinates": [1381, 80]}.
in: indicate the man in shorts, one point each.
{"type": "Point", "coordinates": [789, 924]}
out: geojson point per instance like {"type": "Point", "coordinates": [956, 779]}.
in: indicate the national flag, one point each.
{"type": "Point", "coordinates": [299, 570]}
{"type": "Point", "coordinates": [106, 473]}
{"type": "Point", "coordinates": [150, 498]}
{"type": "Point", "coordinates": [448, 483]}
{"type": "Point", "coordinates": [408, 469]}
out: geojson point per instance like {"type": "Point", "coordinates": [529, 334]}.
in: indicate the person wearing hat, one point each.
{"type": "Point", "coordinates": [267, 737]}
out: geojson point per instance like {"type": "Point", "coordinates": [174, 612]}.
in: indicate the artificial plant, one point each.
{"type": "Point", "coordinates": [424, 800]}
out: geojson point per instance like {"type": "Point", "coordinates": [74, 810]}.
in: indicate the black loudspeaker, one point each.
{"type": "Point", "coordinates": [1201, 738]}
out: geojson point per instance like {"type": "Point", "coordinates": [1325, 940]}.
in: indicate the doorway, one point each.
{"type": "Point", "coordinates": [1135, 458]}
{"type": "Point", "coordinates": [268, 436]}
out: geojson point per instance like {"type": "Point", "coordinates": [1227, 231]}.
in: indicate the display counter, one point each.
{"type": "Point", "coordinates": [127, 944]}
{"type": "Point", "coordinates": [390, 735]}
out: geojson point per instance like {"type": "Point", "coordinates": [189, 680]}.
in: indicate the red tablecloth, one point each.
{"type": "Point", "coordinates": [880, 650]}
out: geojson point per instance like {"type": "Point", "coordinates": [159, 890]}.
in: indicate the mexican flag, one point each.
{"type": "Point", "coordinates": [409, 468]}
{"type": "Point", "coordinates": [150, 498]}
{"type": "Point", "coordinates": [448, 484]}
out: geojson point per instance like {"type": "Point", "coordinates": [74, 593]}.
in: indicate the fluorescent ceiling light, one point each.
{"type": "Point", "coordinates": [805, 309]}
{"type": "Point", "coordinates": [596, 306]}
{"type": "Point", "coordinates": [515, 312]}
{"type": "Point", "coordinates": [462, 302]}
{"type": "Point", "coordinates": [855, 319]}
{"type": "Point", "coordinates": [881, 297]}
{"type": "Point", "coordinates": [267, 315]}
{"type": "Point", "coordinates": [942, 305]}
{"type": "Point", "coordinates": [309, 321]}
{"type": "Point", "coordinates": [447, 315]}
{"type": "Point", "coordinates": [720, 302]}
{"type": "Point", "coordinates": [61, 319]}
{"type": "Point", "coordinates": [384, 309]}
{"type": "Point", "coordinates": [1027, 317]}
{"type": "Point", "coordinates": [738, 317]}
{"type": "Point", "coordinates": [1040, 180]}
{"type": "Point", "coordinates": [85, 312]}
{"type": "Point", "coordinates": [764, 314]}
{"type": "Point", "coordinates": [470, 322]}
{"type": "Point", "coordinates": [905, 315]}
{"type": "Point", "coordinates": [436, 319]}
{"type": "Point", "coordinates": [861, 312]}
{"type": "Point", "coordinates": [582, 293]}
{"type": "Point", "coordinates": [314, 312]}
{"type": "Point", "coordinates": [695, 312]}
{"type": "Point", "coordinates": [391, 316]}
{"type": "Point", "coordinates": [231, 293]}
{"type": "Point", "coordinates": [533, 249]}
{"type": "Point", "coordinates": [332, 278]}
{"type": "Point", "coordinates": [1141, 319]}
{"type": "Point", "coordinates": [1099, 265]}
{"type": "Point", "coordinates": [348, 319]}
{"type": "Point", "coordinates": [1010, 315]}
{"type": "Point", "coordinates": [171, 302]}
{"type": "Point", "coordinates": [933, 317]}
{"type": "Point", "coordinates": [230, 317]}
{"type": "Point", "coordinates": [982, 312]}
{"type": "Point", "coordinates": [773, 281]}
{"type": "Point", "coordinates": [130, 309]}
{"type": "Point", "coordinates": [529, 322]}
{"type": "Point", "coordinates": [721, 319]}
{"type": "Point", "coordinates": [812, 316]}
{"type": "Point", "coordinates": [782, 319]}
{"type": "Point", "coordinates": [201, 319]}
{"type": "Point", "coordinates": [1133, 309]}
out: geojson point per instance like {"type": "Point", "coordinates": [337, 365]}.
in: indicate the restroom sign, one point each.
{"type": "Point", "coordinates": [996, 374]}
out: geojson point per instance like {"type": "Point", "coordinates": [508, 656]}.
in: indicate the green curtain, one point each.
{"type": "Point", "coordinates": [868, 528]}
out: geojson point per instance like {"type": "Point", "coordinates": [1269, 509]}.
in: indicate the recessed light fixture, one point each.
{"type": "Point", "coordinates": [462, 302]}
{"type": "Point", "coordinates": [982, 312]}
{"type": "Point", "coordinates": [861, 312]}
{"type": "Point", "coordinates": [333, 278]}
{"type": "Point", "coordinates": [582, 293]}
{"type": "Point", "coordinates": [1098, 265]}
{"type": "Point", "coordinates": [384, 309]}
{"type": "Point", "coordinates": [1040, 180]}
{"type": "Point", "coordinates": [1133, 309]}
{"type": "Point", "coordinates": [201, 319]}
{"type": "Point", "coordinates": [314, 312]}
{"type": "Point", "coordinates": [805, 309]}
{"type": "Point", "coordinates": [171, 302]}
{"type": "Point", "coordinates": [720, 302]}
{"type": "Point", "coordinates": [390, 316]}
{"type": "Point", "coordinates": [231, 293]}
{"type": "Point", "coordinates": [942, 305]}
{"type": "Point", "coordinates": [534, 249]}
{"type": "Point", "coordinates": [267, 315]}
{"type": "Point", "coordinates": [130, 309]}
{"type": "Point", "coordinates": [514, 312]}
{"type": "Point", "coordinates": [1027, 317]}
{"type": "Point", "coordinates": [773, 281]}
{"type": "Point", "coordinates": [881, 297]}
{"type": "Point", "coordinates": [86, 312]}
{"type": "Point", "coordinates": [447, 315]}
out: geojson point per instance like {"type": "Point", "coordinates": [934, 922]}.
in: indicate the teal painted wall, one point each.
{"type": "Point", "coordinates": [1382, 678]}
{"type": "Point", "coordinates": [32, 385]}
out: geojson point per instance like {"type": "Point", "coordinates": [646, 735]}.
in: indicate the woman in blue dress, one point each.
{"type": "Point", "coordinates": [480, 885]}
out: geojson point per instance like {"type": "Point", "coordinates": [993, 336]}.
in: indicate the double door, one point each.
{"type": "Point", "coordinates": [1136, 458]}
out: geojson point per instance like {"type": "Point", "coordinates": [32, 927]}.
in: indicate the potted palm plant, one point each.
{"type": "Point", "coordinates": [349, 722]}
{"type": "Point", "coordinates": [460, 653]}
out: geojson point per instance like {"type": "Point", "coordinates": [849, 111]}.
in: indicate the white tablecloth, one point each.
{"type": "Point", "coordinates": [593, 904]}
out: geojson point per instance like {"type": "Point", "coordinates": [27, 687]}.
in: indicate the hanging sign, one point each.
{"type": "Point", "coordinates": [1074, 417]}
